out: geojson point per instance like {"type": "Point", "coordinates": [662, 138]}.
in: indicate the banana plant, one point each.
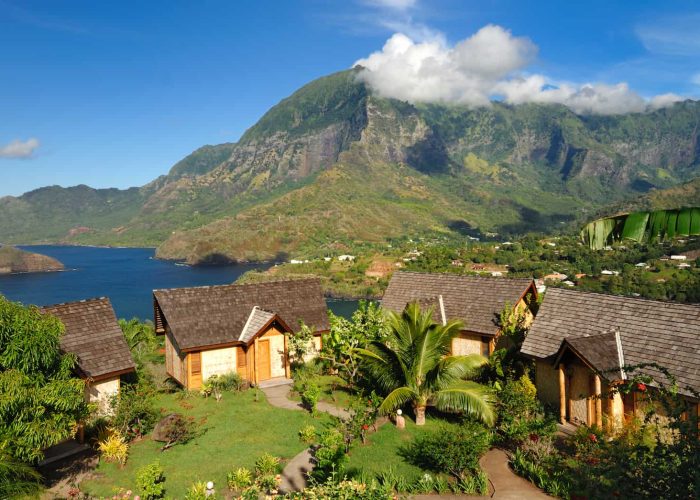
{"type": "Point", "coordinates": [642, 227]}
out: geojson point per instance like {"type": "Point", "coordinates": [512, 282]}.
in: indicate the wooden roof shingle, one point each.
{"type": "Point", "coordinates": [212, 315]}
{"type": "Point", "coordinates": [651, 331]}
{"type": "Point", "coordinates": [93, 334]}
{"type": "Point", "coordinates": [475, 300]}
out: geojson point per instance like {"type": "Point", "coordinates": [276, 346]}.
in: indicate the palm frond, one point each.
{"type": "Point", "coordinates": [468, 397]}
{"type": "Point", "coordinates": [454, 368]}
{"type": "Point", "coordinates": [396, 399]}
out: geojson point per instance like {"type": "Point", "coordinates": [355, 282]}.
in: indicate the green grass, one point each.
{"type": "Point", "coordinates": [237, 431]}
{"type": "Point", "coordinates": [383, 450]}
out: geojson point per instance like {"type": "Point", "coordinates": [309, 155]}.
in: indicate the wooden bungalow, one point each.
{"type": "Point", "coordinates": [213, 330]}
{"type": "Point", "coordinates": [93, 334]}
{"type": "Point", "coordinates": [581, 341]}
{"type": "Point", "coordinates": [475, 300]}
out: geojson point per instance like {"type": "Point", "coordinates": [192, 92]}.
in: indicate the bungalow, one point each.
{"type": "Point", "coordinates": [93, 334]}
{"type": "Point", "coordinates": [476, 301]}
{"type": "Point", "coordinates": [212, 330]}
{"type": "Point", "coordinates": [581, 341]}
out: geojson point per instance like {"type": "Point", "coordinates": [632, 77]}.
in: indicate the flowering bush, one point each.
{"type": "Point", "coordinates": [114, 447]}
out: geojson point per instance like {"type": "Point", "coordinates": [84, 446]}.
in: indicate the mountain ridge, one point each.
{"type": "Point", "coordinates": [334, 148]}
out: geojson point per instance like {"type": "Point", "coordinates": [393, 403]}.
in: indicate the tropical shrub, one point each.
{"type": "Point", "coordinates": [133, 413]}
{"type": "Point", "coordinates": [363, 412]}
{"type": "Point", "coordinates": [307, 434]}
{"type": "Point", "coordinates": [42, 401]}
{"type": "Point", "coordinates": [198, 491]}
{"type": "Point", "coordinates": [310, 396]}
{"type": "Point", "coordinates": [114, 447]}
{"type": "Point", "coordinates": [299, 344]}
{"type": "Point", "coordinates": [150, 480]}
{"type": "Point", "coordinates": [414, 365]}
{"type": "Point", "coordinates": [239, 479]}
{"type": "Point", "coordinates": [17, 479]}
{"type": "Point", "coordinates": [267, 464]}
{"type": "Point", "coordinates": [520, 413]}
{"type": "Point", "coordinates": [330, 455]}
{"type": "Point", "coordinates": [343, 490]}
{"type": "Point", "coordinates": [453, 450]}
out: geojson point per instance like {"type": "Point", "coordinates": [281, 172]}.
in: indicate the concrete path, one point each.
{"type": "Point", "coordinates": [295, 472]}
{"type": "Point", "coordinates": [505, 484]}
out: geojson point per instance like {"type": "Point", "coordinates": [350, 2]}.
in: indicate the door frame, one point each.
{"type": "Point", "coordinates": [259, 351]}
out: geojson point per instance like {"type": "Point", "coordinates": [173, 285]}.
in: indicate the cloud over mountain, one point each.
{"type": "Point", "coordinates": [19, 149]}
{"type": "Point", "coordinates": [491, 64]}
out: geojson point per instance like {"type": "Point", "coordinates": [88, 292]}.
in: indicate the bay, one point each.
{"type": "Point", "coordinates": [127, 276]}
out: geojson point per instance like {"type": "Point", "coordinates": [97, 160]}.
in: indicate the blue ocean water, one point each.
{"type": "Point", "coordinates": [126, 275]}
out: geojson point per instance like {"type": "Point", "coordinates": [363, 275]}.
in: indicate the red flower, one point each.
{"type": "Point", "coordinates": [534, 437]}
{"type": "Point", "coordinates": [593, 438]}
{"type": "Point", "coordinates": [641, 387]}
{"type": "Point", "coordinates": [365, 427]}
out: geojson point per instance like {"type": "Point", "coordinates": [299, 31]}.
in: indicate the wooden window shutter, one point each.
{"type": "Point", "coordinates": [240, 358]}
{"type": "Point", "coordinates": [196, 363]}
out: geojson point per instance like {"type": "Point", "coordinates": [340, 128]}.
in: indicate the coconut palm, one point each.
{"type": "Point", "coordinates": [414, 365]}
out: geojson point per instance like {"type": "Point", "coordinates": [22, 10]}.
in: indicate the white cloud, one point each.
{"type": "Point", "coordinates": [672, 35]}
{"type": "Point", "coordinates": [393, 4]}
{"type": "Point", "coordinates": [490, 64]}
{"type": "Point", "coordinates": [695, 79]}
{"type": "Point", "coordinates": [19, 149]}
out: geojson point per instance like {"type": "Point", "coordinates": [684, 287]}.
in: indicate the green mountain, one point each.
{"type": "Point", "coordinates": [334, 164]}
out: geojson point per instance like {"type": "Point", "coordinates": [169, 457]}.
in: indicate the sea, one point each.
{"type": "Point", "coordinates": [127, 276]}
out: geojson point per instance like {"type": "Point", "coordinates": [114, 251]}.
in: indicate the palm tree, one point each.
{"type": "Point", "coordinates": [414, 365]}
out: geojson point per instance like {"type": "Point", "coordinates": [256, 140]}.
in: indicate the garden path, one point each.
{"type": "Point", "coordinates": [294, 473]}
{"type": "Point", "coordinates": [506, 485]}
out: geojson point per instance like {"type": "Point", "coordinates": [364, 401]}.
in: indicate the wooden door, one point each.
{"type": "Point", "coordinates": [195, 379]}
{"type": "Point", "coordinates": [241, 362]}
{"type": "Point", "coordinates": [263, 360]}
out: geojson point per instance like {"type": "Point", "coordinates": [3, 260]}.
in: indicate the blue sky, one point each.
{"type": "Point", "coordinates": [112, 94]}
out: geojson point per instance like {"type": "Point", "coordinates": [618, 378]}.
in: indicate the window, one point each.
{"type": "Point", "coordinates": [485, 343]}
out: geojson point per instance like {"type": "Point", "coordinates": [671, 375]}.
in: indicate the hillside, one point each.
{"type": "Point", "coordinates": [333, 164]}
{"type": "Point", "coordinates": [14, 260]}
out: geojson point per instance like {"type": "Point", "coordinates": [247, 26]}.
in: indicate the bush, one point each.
{"type": "Point", "coordinates": [114, 447]}
{"type": "Point", "coordinates": [268, 483]}
{"type": "Point", "coordinates": [343, 490]}
{"type": "Point", "coordinates": [177, 430]}
{"type": "Point", "coordinates": [266, 464]}
{"type": "Point", "coordinates": [307, 434]}
{"type": "Point", "coordinates": [310, 396]}
{"type": "Point", "coordinates": [232, 381]}
{"type": "Point", "coordinates": [133, 411]}
{"type": "Point", "coordinates": [520, 413]}
{"type": "Point", "coordinates": [239, 479]}
{"type": "Point", "coordinates": [330, 455]}
{"type": "Point", "coordinates": [150, 481]}
{"type": "Point", "coordinates": [198, 491]}
{"type": "Point", "coordinates": [451, 449]}
{"type": "Point", "coordinates": [17, 479]}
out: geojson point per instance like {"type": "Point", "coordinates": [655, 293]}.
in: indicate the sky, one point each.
{"type": "Point", "coordinates": [112, 94]}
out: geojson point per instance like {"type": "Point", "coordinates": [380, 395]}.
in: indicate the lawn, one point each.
{"type": "Point", "coordinates": [383, 450]}
{"type": "Point", "coordinates": [237, 430]}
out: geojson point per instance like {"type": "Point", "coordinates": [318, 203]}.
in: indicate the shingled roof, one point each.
{"type": "Point", "coordinates": [93, 334]}
{"type": "Point", "coordinates": [212, 315]}
{"type": "Point", "coordinates": [602, 351]}
{"type": "Point", "coordinates": [476, 301]}
{"type": "Point", "coordinates": [651, 331]}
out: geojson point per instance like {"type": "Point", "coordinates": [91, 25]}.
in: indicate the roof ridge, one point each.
{"type": "Point", "coordinates": [236, 285]}
{"type": "Point", "coordinates": [470, 276]}
{"type": "Point", "coordinates": [619, 297]}
{"type": "Point", "coordinates": [71, 302]}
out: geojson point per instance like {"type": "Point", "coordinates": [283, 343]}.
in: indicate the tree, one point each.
{"type": "Point", "coordinates": [341, 345]}
{"type": "Point", "coordinates": [414, 365]}
{"type": "Point", "coordinates": [140, 337]}
{"type": "Point", "coordinates": [42, 402]}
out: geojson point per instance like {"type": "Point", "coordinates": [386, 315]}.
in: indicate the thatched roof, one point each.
{"type": "Point", "coordinates": [476, 301]}
{"type": "Point", "coordinates": [214, 315]}
{"type": "Point", "coordinates": [93, 334]}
